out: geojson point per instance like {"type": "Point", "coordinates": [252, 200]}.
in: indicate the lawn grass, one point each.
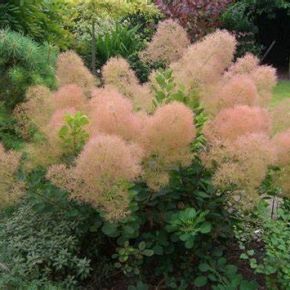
{"type": "Point", "coordinates": [281, 91]}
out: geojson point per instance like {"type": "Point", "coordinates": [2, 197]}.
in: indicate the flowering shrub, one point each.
{"type": "Point", "coordinates": [118, 74]}
{"type": "Point", "coordinates": [71, 70]}
{"type": "Point", "coordinates": [160, 163]}
{"type": "Point", "coordinates": [165, 46]}
{"type": "Point", "coordinates": [10, 188]}
{"type": "Point", "coordinates": [238, 150]}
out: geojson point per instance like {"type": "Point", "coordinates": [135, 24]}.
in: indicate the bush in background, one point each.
{"type": "Point", "coordinates": [23, 63]}
{"type": "Point", "coordinates": [199, 17]}
{"type": "Point", "coordinates": [43, 21]}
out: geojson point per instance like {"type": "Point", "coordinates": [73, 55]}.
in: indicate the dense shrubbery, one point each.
{"type": "Point", "coordinates": [150, 179]}
{"type": "Point", "coordinates": [23, 63]}
{"type": "Point", "coordinates": [43, 21]}
{"type": "Point", "coordinates": [198, 17]}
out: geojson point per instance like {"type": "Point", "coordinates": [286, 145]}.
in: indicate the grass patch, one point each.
{"type": "Point", "coordinates": [281, 92]}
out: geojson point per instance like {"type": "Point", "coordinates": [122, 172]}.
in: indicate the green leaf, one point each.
{"type": "Point", "coordinates": [251, 252]}
{"type": "Point", "coordinates": [244, 256]}
{"type": "Point", "coordinates": [148, 252]}
{"type": "Point", "coordinates": [200, 281]}
{"type": "Point", "coordinates": [205, 228]}
{"type": "Point", "coordinates": [111, 230]}
{"type": "Point", "coordinates": [204, 267]}
{"type": "Point", "coordinates": [142, 246]}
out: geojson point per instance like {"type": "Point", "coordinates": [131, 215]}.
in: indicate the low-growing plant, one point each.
{"type": "Point", "coordinates": [273, 233]}
{"type": "Point", "coordinates": [38, 248]}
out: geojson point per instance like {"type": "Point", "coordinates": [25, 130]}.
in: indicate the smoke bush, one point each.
{"type": "Point", "coordinates": [231, 123]}
{"type": "Point", "coordinates": [118, 74]}
{"type": "Point", "coordinates": [166, 138]}
{"type": "Point", "coordinates": [122, 121]}
{"type": "Point", "coordinates": [111, 113]}
{"type": "Point", "coordinates": [243, 65]}
{"type": "Point", "coordinates": [34, 111]}
{"type": "Point", "coordinates": [203, 63]}
{"type": "Point", "coordinates": [265, 79]}
{"type": "Point", "coordinates": [243, 164]}
{"type": "Point", "coordinates": [71, 70]}
{"type": "Point", "coordinates": [10, 188]}
{"type": "Point", "coordinates": [69, 96]}
{"type": "Point", "coordinates": [264, 76]}
{"type": "Point", "coordinates": [282, 146]}
{"type": "Point", "coordinates": [101, 174]}
{"type": "Point", "coordinates": [168, 44]}
{"type": "Point", "coordinates": [239, 90]}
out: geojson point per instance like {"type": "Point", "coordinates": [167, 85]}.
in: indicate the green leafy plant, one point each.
{"type": "Point", "coordinates": [43, 21]}
{"type": "Point", "coordinates": [274, 262]}
{"type": "Point", "coordinates": [166, 90]}
{"type": "Point", "coordinates": [187, 224]}
{"type": "Point", "coordinates": [73, 134]}
{"type": "Point", "coordinates": [222, 275]}
{"type": "Point", "coordinates": [130, 259]}
{"type": "Point", "coordinates": [38, 248]}
{"type": "Point", "coordinates": [119, 41]}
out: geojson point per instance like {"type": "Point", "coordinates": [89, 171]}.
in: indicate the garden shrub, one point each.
{"type": "Point", "coordinates": [273, 235]}
{"type": "Point", "coordinates": [198, 17]}
{"type": "Point", "coordinates": [39, 248]}
{"type": "Point", "coordinates": [23, 63]}
{"type": "Point", "coordinates": [10, 188]}
{"type": "Point", "coordinates": [43, 21]}
{"type": "Point", "coordinates": [166, 168]}
{"type": "Point", "coordinates": [118, 30]}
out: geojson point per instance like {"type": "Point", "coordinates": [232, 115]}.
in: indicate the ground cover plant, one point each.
{"type": "Point", "coordinates": [160, 184]}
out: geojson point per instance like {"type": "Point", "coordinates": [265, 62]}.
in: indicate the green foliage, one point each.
{"type": "Point", "coordinates": [40, 248]}
{"type": "Point", "coordinates": [43, 21]}
{"type": "Point", "coordinates": [23, 63]}
{"type": "Point", "coordinates": [119, 41]}
{"type": "Point", "coordinates": [72, 134]}
{"type": "Point", "coordinates": [187, 224]}
{"type": "Point", "coordinates": [242, 18]}
{"type": "Point", "coordinates": [10, 136]}
{"type": "Point", "coordinates": [129, 259]}
{"type": "Point", "coordinates": [166, 90]}
{"type": "Point", "coordinates": [273, 262]}
{"type": "Point", "coordinates": [169, 226]}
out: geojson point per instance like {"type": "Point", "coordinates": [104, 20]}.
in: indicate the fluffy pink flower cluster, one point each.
{"type": "Point", "coordinates": [264, 77]}
{"type": "Point", "coordinates": [240, 150]}
{"type": "Point", "coordinates": [166, 137]}
{"type": "Point", "coordinates": [71, 70]}
{"type": "Point", "coordinates": [168, 44]}
{"type": "Point", "coordinates": [204, 62]}
{"type": "Point", "coordinates": [101, 174]}
{"type": "Point", "coordinates": [118, 74]}
{"type": "Point", "coordinates": [10, 188]}
{"type": "Point", "coordinates": [233, 122]}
